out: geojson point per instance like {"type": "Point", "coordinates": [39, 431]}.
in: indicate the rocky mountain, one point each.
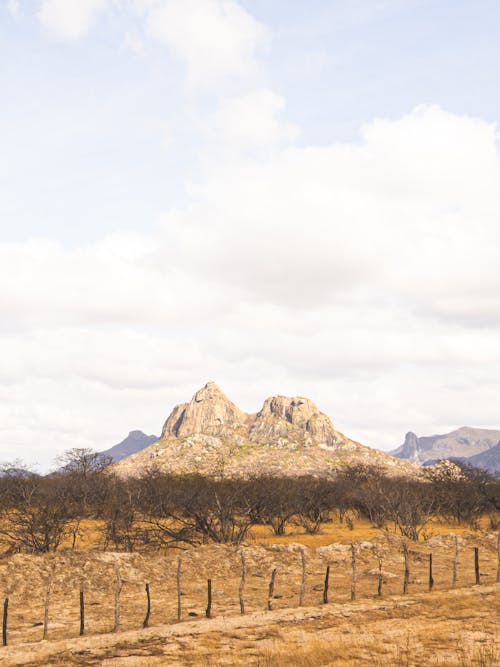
{"type": "Point", "coordinates": [134, 442]}
{"type": "Point", "coordinates": [463, 443]}
{"type": "Point", "coordinates": [288, 436]}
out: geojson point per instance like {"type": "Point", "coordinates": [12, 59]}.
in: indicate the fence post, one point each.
{"type": "Point", "coordinates": [271, 590]}
{"type": "Point", "coordinates": [498, 555]}
{"type": "Point", "coordinates": [407, 569]}
{"type": "Point", "coordinates": [380, 578]}
{"type": "Point", "coordinates": [242, 581]}
{"type": "Point", "coordinates": [82, 609]}
{"type": "Point", "coordinates": [148, 610]}
{"type": "Point", "coordinates": [179, 563]}
{"type": "Point", "coordinates": [455, 564]}
{"type": "Point", "coordinates": [353, 576]}
{"type": "Point", "coordinates": [48, 595]}
{"type": "Point", "coordinates": [431, 578]}
{"type": "Point", "coordinates": [118, 590]}
{"type": "Point", "coordinates": [303, 580]}
{"type": "Point", "coordinates": [208, 611]}
{"type": "Point", "coordinates": [476, 565]}
{"type": "Point", "coordinates": [326, 585]}
{"type": "Point", "coordinates": [5, 620]}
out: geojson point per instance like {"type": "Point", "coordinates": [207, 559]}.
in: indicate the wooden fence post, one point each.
{"type": "Point", "coordinates": [48, 595]}
{"type": "Point", "coordinates": [431, 578]}
{"type": "Point", "coordinates": [498, 556]}
{"type": "Point", "coordinates": [476, 565]}
{"type": "Point", "coordinates": [118, 590]}
{"type": "Point", "coordinates": [242, 581]}
{"type": "Point", "coordinates": [271, 590]}
{"type": "Point", "coordinates": [82, 609]}
{"type": "Point", "coordinates": [407, 569]}
{"type": "Point", "coordinates": [353, 576]}
{"type": "Point", "coordinates": [208, 611]}
{"type": "Point", "coordinates": [303, 579]}
{"type": "Point", "coordinates": [148, 610]}
{"type": "Point", "coordinates": [455, 564]}
{"type": "Point", "coordinates": [380, 578]}
{"type": "Point", "coordinates": [5, 620]}
{"type": "Point", "coordinates": [179, 564]}
{"type": "Point", "coordinates": [326, 585]}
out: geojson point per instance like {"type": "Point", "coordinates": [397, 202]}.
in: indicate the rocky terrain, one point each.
{"type": "Point", "coordinates": [134, 442]}
{"type": "Point", "coordinates": [478, 446]}
{"type": "Point", "coordinates": [288, 436]}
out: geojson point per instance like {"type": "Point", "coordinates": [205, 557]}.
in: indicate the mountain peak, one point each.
{"type": "Point", "coordinates": [461, 443]}
{"type": "Point", "coordinates": [294, 418]}
{"type": "Point", "coordinates": [209, 412]}
{"type": "Point", "coordinates": [288, 436]}
{"type": "Point", "coordinates": [209, 392]}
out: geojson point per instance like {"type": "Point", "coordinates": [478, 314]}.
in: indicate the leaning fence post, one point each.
{"type": "Point", "coordinates": [455, 563]}
{"type": "Point", "coordinates": [407, 569]}
{"type": "Point", "coordinates": [303, 580]}
{"type": "Point", "coordinates": [208, 611]}
{"type": "Point", "coordinates": [118, 590]}
{"type": "Point", "coordinates": [5, 620]}
{"type": "Point", "coordinates": [431, 578]}
{"type": "Point", "coordinates": [179, 564]}
{"type": "Point", "coordinates": [82, 608]}
{"type": "Point", "coordinates": [326, 585]}
{"type": "Point", "coordinates": [476, 565]}
{"type": "Point", "coordinates": [353, 575]}
{"type": "Point", "coordinates": [242, 581]}
{"type": "Point", "coordinates": [148, 610]}
{"type": "Point", "coordinates": [271, 590]}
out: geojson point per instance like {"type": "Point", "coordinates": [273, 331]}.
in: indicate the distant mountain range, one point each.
{"type": "Point", "coordinates": [134, 442]}
{"type": "Point", "coordinates": [210, 435]}
{"type": "Point", "coordinates": [478, 446]}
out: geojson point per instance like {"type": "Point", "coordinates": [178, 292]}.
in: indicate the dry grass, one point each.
{"type": "Point", "coordinates": [443, 628]}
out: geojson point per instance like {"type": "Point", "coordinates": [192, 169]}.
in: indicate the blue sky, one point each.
{"type": "Point", "coordinates": [284, 197]}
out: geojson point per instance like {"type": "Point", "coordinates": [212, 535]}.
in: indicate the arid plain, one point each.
{"type": "Point", "coordinates": [444, 627]}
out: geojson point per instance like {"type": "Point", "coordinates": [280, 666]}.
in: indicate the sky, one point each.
{"type": "Point", "coordinates": [285, 197]}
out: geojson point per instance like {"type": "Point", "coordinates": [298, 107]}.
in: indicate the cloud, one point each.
{"type": "Point", "coordinates": [70, 19]}
{"type": "Point", "coordinates": [362, 274]}
{"type": "Point", "coordinates": [252, 121]}
{"type": "Point", "coordinates": [216, 40]}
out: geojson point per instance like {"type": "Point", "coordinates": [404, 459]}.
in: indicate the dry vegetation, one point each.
{"type": "Point", "coordinates": [445, 627]}
{"type": "Point", "coordinates": [84, 529]}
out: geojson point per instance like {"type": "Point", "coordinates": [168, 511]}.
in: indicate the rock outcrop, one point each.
{"type": "Point", "coordinates": [209, 411]}
{"type": "Point", "coordinates": [288, 436]}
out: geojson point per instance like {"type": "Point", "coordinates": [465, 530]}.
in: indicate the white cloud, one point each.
{"type": "Point", "coordinates": [252, 121]}
{"type": "Point", "coordinates": [70, 19]}
{"type": "Point", "coordinates": [364, 275]}
{"type": "Point", "coordinates": [216, 40]}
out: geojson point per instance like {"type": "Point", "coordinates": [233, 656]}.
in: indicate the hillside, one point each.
{"type": "Point", "coordinates": [463, 443]}
{"type": "Point", "coordinates": [490, 459]}
{"type": "Point", "coordinates": [288, 436]}
{"type": "Point", "coordinates": [134, 442]}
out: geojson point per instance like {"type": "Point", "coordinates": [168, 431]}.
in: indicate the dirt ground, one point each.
{"type": "Point", "coordinates": [443, 627]}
